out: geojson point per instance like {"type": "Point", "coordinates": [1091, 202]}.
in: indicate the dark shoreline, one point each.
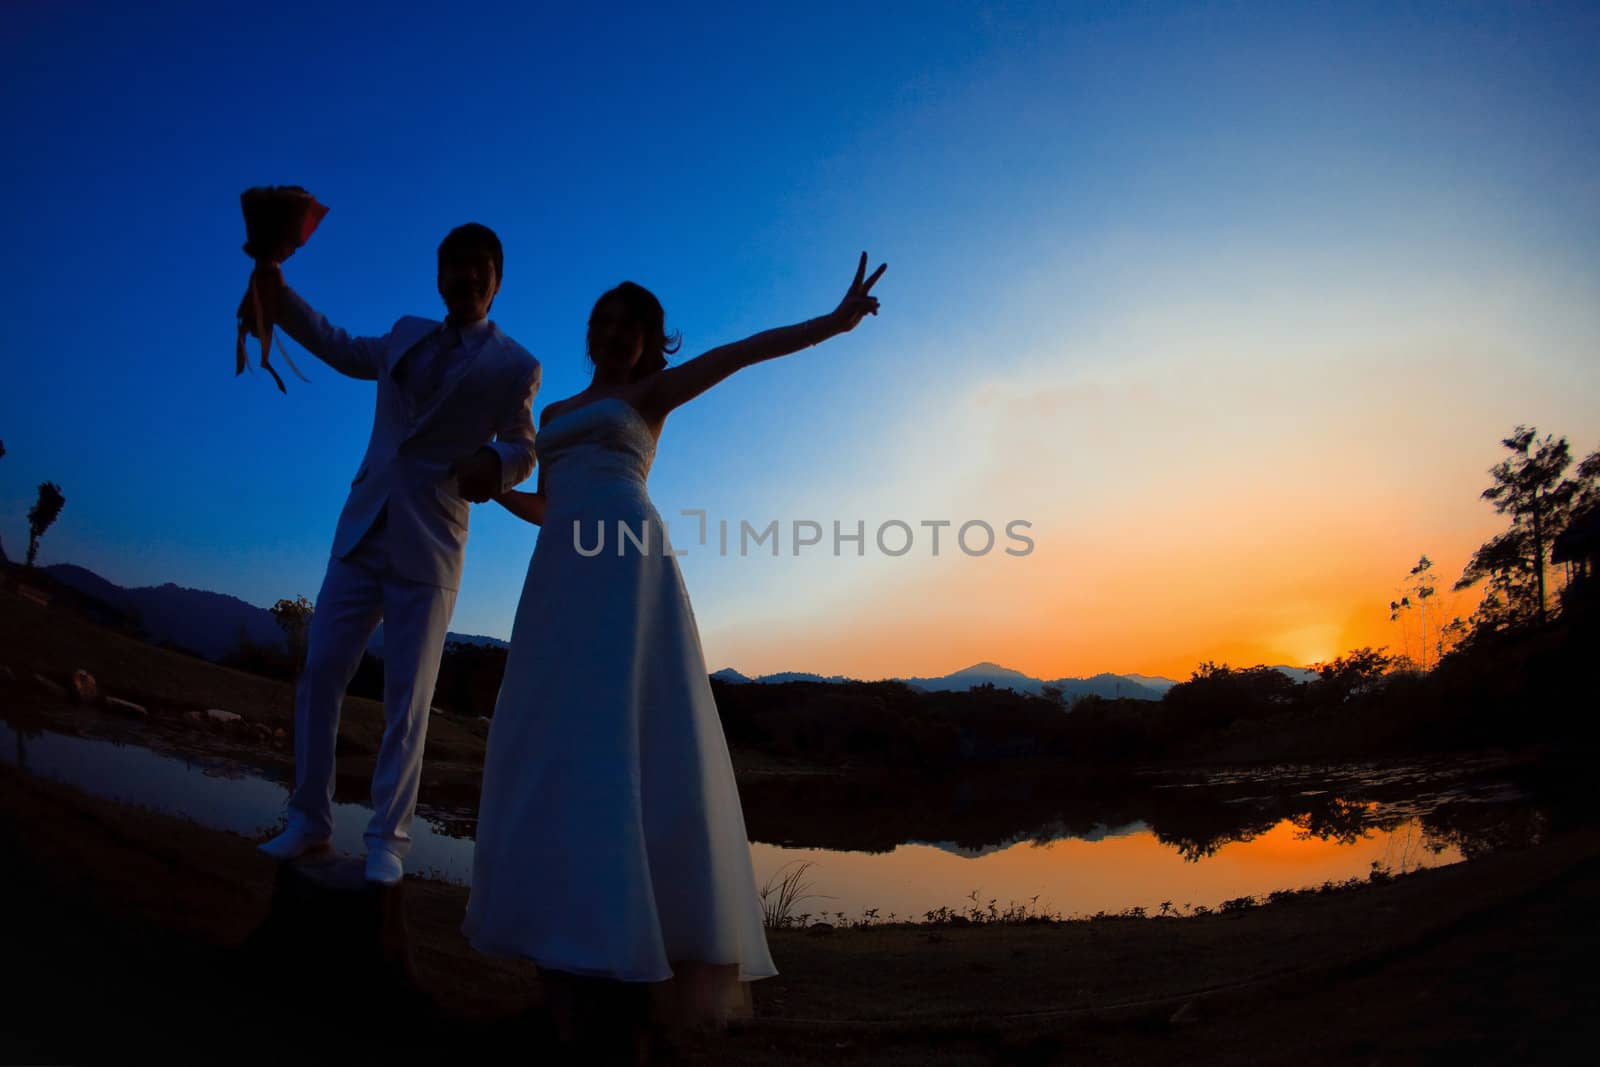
{"type": "Point", "coordinates": [139, 919]}
{"type": "Point", "coordinates": [1193, 809]}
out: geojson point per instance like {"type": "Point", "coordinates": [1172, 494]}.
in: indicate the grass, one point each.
{"type": "Point", "coordinates": [783, 891]}
{"type": "Point", "coordinates": [123, 909]}
{"type": "Point", "coordinates": [788, 886]}
{"type": "Point", "coordinates": [53, 642]}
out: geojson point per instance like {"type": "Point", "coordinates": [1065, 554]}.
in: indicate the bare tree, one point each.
{"type": "Point", "coordinates": [1418, 589]}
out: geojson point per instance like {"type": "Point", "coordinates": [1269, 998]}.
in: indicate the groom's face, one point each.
{"type": "Point", "coordinates": [467, 282]}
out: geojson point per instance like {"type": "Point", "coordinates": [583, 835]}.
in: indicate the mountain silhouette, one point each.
{"type": "Point", "coordinates": [1110, 686]}
{"type": "Point", "coordinates": [375, 646]}
{"type": "Point", "coordinates": [1156, 682]}
{"type": "Point", "coordinates": [207, 624]}
{"type": "Point", "coordinates": [211, 625]}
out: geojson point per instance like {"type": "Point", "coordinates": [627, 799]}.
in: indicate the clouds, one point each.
{"type": "Point", "coordinates": [1233, 306]}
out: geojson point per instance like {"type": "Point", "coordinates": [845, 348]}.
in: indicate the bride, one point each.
{"type": "Point", "coordinates": [611, 844]}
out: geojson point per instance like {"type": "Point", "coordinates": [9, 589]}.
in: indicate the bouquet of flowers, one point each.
{"type": "Point", "coordinates": [278, 219]}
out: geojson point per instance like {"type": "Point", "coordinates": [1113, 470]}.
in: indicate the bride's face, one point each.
{"type": "Point", "coordinates": [615, 341]}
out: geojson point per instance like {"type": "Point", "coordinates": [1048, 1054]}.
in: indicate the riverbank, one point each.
{"type": "Point", "coordinates": [42, 647]}
{"type": "Point", "coordinates": [127, 930]}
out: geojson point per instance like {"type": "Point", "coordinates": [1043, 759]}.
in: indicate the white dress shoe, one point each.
{"type": "Point", "coordinates": [295, 841]}
{"type": "Point", "coordinates": [384, 867]}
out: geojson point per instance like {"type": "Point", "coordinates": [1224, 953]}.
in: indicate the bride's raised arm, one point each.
{"type": "Point", "coordinates": [678, 385]}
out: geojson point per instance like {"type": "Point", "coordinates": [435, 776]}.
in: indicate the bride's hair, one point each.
{"type": "Point", "coordinates": [640, 307]}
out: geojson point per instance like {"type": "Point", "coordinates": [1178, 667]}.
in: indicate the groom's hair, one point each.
{"type": "Point", "coordinates": [473, 237]}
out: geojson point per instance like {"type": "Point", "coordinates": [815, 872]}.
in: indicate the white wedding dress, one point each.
{"type": "Point", "coordinates": [611, 841]}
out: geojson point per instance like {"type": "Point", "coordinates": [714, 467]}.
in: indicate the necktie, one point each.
{"type": "Point", "coordinates": [436, 362]}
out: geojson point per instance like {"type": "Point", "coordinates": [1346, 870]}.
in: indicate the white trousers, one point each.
{"type": "Point", "coordinates": [358, 592]}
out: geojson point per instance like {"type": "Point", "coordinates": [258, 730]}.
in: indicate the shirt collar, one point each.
{"type": "Point", "coordinates": [482, 326]}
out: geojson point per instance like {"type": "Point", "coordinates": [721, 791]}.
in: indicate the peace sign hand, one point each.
{"type": "Point", "coordinates": [858, 300]}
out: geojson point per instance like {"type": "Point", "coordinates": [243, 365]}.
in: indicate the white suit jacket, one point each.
{"type": "Point", "coordinates": [486, 399]}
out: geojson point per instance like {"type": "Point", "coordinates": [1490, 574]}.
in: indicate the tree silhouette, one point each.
{"type": "Point", "coordinates": [1581, 525]}
{"type": "Point", "coordinates": [44, 512]}
{"type": "Point", "coordinates": [1528, 486]}
{"type": "Point", "coordinates": [294, 619]}
{"type": "Point", "coordinates": [1588, 478]}
{"type": "Point", "coordinates": [1353, 674]}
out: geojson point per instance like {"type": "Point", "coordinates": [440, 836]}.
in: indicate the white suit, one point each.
{"type": "Point", "coordinates": [397, 552]}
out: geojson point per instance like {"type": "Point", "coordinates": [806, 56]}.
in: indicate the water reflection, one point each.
{"type": "Point", "coordinates": [1076, 841]}
{"type": "Point", "coordinates": [1082, 843]}
{"type": "Point", "coordinates": [1072, 876]}
{"type": "Point", "coordinates": [1194, 815]}
{"type": "Point", "coordinates": [216, 792]}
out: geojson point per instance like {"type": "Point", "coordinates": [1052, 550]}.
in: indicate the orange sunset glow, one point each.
{"type": "Point", "coordinates": [1242, 495]}
{"type": "Point", "coordinates": [801, 534]}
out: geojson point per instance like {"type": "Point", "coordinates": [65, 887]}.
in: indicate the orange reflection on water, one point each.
{"type": "Point", "coordinates": [1074, 876]}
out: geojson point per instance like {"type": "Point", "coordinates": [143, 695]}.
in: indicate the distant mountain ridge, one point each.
{"type": "Point", "coordinates": [205, 623]}
{"type": "Point", "coordinates": [211, 625]}
{"type": "Point", "coordinates": [728, 674]}
{"type": "Point", "coordinates": [375, 646]}
{"type": "Point", "coordinates": [208, 624]}
{"type": "Point", "coordinates": [1110, 686]}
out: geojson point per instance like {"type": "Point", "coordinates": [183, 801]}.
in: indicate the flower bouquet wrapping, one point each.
{"type": "Point", "coordinates": [278, 219]}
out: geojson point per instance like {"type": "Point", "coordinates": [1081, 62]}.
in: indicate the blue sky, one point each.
{"type": "Point", "coordinates": [1125, 241]}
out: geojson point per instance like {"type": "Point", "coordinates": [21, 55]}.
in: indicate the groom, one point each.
{"type": "Point", "coordinates": [453, 424]}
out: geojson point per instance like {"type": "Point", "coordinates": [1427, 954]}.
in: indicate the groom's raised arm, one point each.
{"type": "Point", "coordinates": [357, 357]}
{"type": "Point", "coordinates": [513, 432]}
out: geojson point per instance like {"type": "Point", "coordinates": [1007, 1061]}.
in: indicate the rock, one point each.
{"type": "Point", "coordinates": [192, 716]}
{"type": "Point", "coordinates": [127, 707]}
{"type": "Point", "coordinates": [51, 684]}
{"type": "Point", "coordinates": [84, 688]}
{"type": "Point", "coordinates": [820, 929]}
{"type": "Point", "coordinates": [218, 715]}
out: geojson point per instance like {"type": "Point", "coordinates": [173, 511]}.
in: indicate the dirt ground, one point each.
{"type": "Point", "coordinates": [134, 935]}
{"type": "Point", "coordinates": [130, 937]}
{"type": "Point", "coordinates": [174, 689]}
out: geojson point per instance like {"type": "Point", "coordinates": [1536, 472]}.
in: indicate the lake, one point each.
{"type": "Point", "coordinates": [1060, 842]}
